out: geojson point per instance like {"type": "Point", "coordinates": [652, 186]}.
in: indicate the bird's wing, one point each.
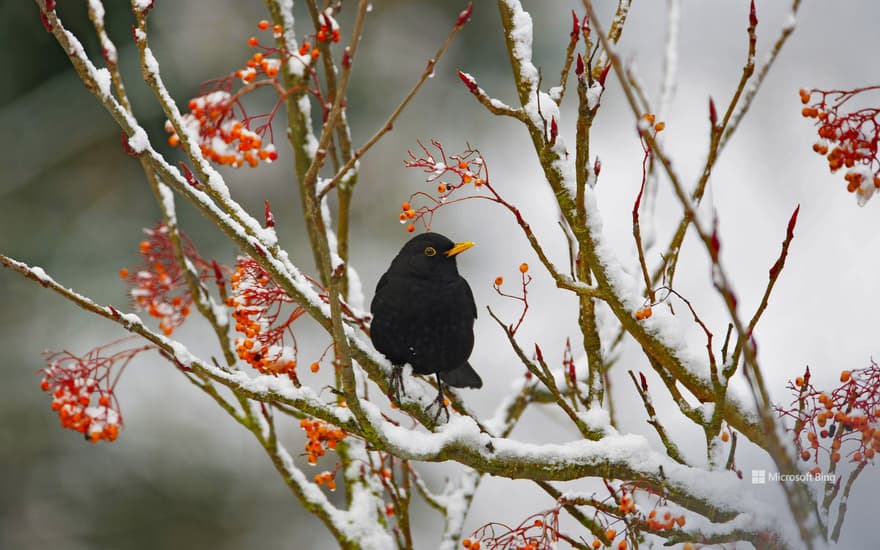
{"type": "Point", "coordinates": [471, 297]}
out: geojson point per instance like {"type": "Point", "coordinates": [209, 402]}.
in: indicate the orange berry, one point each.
{"type": "Point", "coordinates": [621, 545]}
{"type": "Point", "coordinates": [315, 53]}
{"type": "Point", "coordinates": [725, 437]}
{"type": "Point", "coordinates": [466, 543]}
{"type": "Point", "coordinates": [406, 206]}
{"type": "Point", "coordinates": [103, 400]}
{"type": "Point", "coordinates": [499, 281]}
{"type": "Point", "coordinates": [463, 165]}
{"type": "Point", "coordinates": [145, 245]}
{"type": "Point", "coordinates": [315, 367]}
{"type": "Point", "coordinates": [799, 381]}
{"type": "Point", "coordinates": [410, 228]}
{"type": "Point", "coordinates": [596, 544]}
{"type": "Point", "coordinates": [805, 455]}
{"type": "Point", "coordinates": [402, 217]}
{"type": "Point", "coordinates": [680, 521]}
{"type": "Point", "coordinates": [523, 267]}
{"type": "Point", "coordinates": [845, 376]}
{"type": "Point", "coordinates": [441, 188]}
{"type": "Point", "coordinates": [805, 97]}
{"type": "Point", "coordinates": [123, 273]}
{"type": "Point", "coordinates": [610, 534]}
{"type": "Point", "coordinates": [857, 457]}
{"type": "Point", "coordinates": [277, 29]}
{"type": "Point", "coordinates": [835, 457]}
{"type": "Point", "coordinates": [252, 41]}
{"type": "Point", "coordinates": [644, 313]}
{"type": "Point", "coordinates": [659, 126]}
{"type": "Point", "coordinates": [263, 25]}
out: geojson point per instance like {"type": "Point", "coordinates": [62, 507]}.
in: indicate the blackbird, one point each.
{"type": "Point", "coordinates": [423, 314]}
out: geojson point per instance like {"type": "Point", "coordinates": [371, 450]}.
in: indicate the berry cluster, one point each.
{"type": "Point", "coordinates": [847, 139]}
{"type": "Point", "coordinates": [465, 169]}
{"type": "Point", "coordinates": [158, 284]}
{"type": "Point", "coordinates": [321, 436]}
{"type": "Point", "coordinates": [537, 532]}
{"type": "Point", "coordinates": [842, 423]}
{"type": "Point", "coordinates": [259, 63]}
{"type": "Point", "coordinates": [257, 303]}
{"type": "Point", "coordinates": [223, 136]}
{"type": "Point", "coordinates": [526, 279]}
{"type": "Point", "coordinates": [82, 391]}
{"type": "Point", "coordinates": [326, 478]}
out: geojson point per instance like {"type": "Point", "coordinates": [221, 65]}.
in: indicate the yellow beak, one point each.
{"type": "Point", "coordinates": [459, 248]}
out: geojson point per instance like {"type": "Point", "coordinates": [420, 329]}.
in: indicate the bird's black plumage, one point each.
{"type": "Point", "coordinates": [424, 311]}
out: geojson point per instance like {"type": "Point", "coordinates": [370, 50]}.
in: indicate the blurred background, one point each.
{"type": "Point", "coordinates": [182, 474]}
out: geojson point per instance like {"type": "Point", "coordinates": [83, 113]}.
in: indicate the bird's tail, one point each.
{"type": "Point", "coordinates": [463, 377]}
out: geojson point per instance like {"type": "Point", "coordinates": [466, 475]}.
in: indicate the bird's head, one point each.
{"type": "Point", "coordinates": [430, 255]}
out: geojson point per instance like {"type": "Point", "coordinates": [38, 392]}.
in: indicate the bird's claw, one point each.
{"type": "Point", "coordinates": [440, 403]}
{"type": "Point", "coordinates": [395, 384]}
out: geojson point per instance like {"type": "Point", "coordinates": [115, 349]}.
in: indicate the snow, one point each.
{"type": "Point", "coordinates": [104, 82]}
{"type": "Point", "coordinates": [97, 9]}
{"type": "Point", "coordinates": [670, 57]}
{"type": "Point", "coordinates": [305, 107]}
{"type": "Point", "coordinates": [142, 5]}
{"type": "Point", "coordinates": [594, 94]}
{"type": "Point", "coordinates": [521, 35]}
{"type": "Point", "coordinates": [139, 142]}
{"type": "Point", "coordinates": [790, 22]}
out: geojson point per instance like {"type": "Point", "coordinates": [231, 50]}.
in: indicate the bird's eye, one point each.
{"type": "Point", "coordinates": [430, 251]}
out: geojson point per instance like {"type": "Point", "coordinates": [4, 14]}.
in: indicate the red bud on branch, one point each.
{"type": "Point", "coordinates": [597, 167]}
{"type": "Point", "coordinates": [346, 58]}
{"type": "Point", "coordinates": [713, 114]}
{"type": "Point", "coordinates": [714, 246]}
{"type": "Point", "coordinates": [218, 274]}
{"type": "Point", "coordinates": [554, 130]}
{"type": "Point", "coordinates": [604, 74]}
{"type": "Point", "coordinates": [575, 27]}
{"type": "Point", "coordinates": [188, 175]}
{"type": "Point", "coordinates": [789, 233]}
{"type": "Point", "coordinates": [126, 146]}
{"type": "Point", "coordinates": [270, 218]}
{"type": "Point", "coordinates": [50, 5]}
{"type": "Point", "coordinates": [465, 15]}
{"type": "Point", "coordinates": [753, 17]}
{"type": "Point", "coordinates": [538, 353]}
{"type": "Point", "coordinates": [579, 66]}
{"type": "Point", "coordinates": [469, 82]}
{"type": "Point", "coordinates": [45, 21]}
{"type": "Point", "coordinates": [644, 381]}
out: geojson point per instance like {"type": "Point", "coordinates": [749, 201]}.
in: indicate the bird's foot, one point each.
{"type": "Point", "coordinates": [395, 384]}
{"type": "Point", "coordinates": [440, 403]}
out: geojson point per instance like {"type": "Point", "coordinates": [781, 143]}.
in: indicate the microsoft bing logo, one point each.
{"type": "Point", "coordinates": [759, 476]}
